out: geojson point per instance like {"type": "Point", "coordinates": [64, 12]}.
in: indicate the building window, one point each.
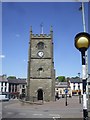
{"type": "Point", "coordinates": [40, 45]}
{"type": "Point", "coordinates": [88, 83]}
{"type": "Point", "coordinates": [20, 86]}
{"type": "Point", "coordinates": [9, 87]}
{"type": "Point", "coordinates": [40, 70]}
{"type": "Point", "coordinates": [23, 86]}
{"type": "Point", "coordinates": [74, 86]}
{"type": "Point", "coordinates": [1, 89]}
{"type": "Point", "coordinates": [5, 83]}
{"type": "Point", "coordinates": [78, 85]}
{"type": "Point", "coordinates": [15, 88]}
{"type": "Point", "coordinates": [2, 84]}
{"type": "Point", "coordinates": [5, 88]}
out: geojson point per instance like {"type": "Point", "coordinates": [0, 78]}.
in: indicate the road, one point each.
{"type": "Point", "coordinates": [57, 109]}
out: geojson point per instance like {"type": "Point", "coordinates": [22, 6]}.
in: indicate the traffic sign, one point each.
{"type": "Point", "coordinates": [66, 91]}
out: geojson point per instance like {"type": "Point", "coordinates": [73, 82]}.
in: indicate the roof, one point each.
{"type": "Point", "coordinates": [76, 80]}
{"type": "Point", "coordinates": [17, 81]}
{"type": "Point", "coordinates": [62, 85]}
{"type": "Point", "coordinates": [22, 81]}
{"type": "Point", "coordinates": [3, 79]}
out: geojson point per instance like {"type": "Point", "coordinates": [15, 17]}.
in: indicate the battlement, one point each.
{"type": "Point", "coordinates": [41, 36]}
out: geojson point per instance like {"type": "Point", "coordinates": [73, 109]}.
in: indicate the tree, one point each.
{"type": "Point", "coordinates": [61, 79]}
{"type": "Point", "coordinates": [11, 77]}
{"type": "Point", "coordinates": [68, 79]}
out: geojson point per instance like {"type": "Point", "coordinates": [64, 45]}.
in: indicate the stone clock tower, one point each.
{"type": "Point", "coordinates": [41, 73]}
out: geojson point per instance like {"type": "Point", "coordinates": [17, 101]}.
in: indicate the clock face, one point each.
{"type": "Point", "coordinates": [40, 54]}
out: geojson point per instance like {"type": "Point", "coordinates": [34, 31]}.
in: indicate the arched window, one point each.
{"type": "Point", "coordinates": [40, 70]}
{"type": "Point", "coordinates": [40, 45]}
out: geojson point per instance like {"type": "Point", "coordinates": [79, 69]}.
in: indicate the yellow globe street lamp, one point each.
{"type": "Point", "coordinates": [82, 43]}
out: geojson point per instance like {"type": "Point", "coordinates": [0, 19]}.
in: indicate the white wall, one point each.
{"type": "Point", "coordinates": [7, 87]}
{"type": "Point", "coordinates": [76, 86]}
{"type": "Point", "coordinates": [0, 86]}
{"type": "Point", "coordinates": [3, 87]}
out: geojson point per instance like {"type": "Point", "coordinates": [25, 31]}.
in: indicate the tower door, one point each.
{"type": "Point", "coordinates": [40, 94]}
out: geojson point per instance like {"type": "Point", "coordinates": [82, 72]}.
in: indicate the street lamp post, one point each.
{"type": "Point", "coordinates": [82, 43]}
{"type": "Point", "coordinates": [79, 93]}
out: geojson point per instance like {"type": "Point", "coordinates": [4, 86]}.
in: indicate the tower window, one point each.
{"type": "Point", "coordinates": [40, 70]}
{"type": "Point", "coordinates": [40, 45]}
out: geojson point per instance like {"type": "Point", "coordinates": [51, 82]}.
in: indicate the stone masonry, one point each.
{"type": "Point", "coordinates": [41, 73]}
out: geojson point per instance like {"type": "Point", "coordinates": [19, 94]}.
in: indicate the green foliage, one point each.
{"type": "Point", "coordinates": [11, 77]}
{"type": "Point", "coordinates": [61, 79]}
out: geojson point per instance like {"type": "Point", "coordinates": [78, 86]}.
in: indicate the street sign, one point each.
{"type": "Point", "coordinates": [66, 91]}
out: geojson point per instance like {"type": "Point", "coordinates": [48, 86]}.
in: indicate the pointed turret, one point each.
{"type": "Point", "coordinates": [30, 29]}
{"type": "Point", "coordinates": [51, 31]}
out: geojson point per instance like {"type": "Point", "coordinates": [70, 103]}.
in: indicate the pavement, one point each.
{"type": "Point", "coordinates": [56, 109]}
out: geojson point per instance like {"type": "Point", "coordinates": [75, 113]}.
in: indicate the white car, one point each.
{"type": "Point", "coordinates": [3, 98]}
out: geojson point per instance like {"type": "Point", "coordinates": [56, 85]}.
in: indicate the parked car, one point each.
{"type": "Point", "coordinates": [3, 98]}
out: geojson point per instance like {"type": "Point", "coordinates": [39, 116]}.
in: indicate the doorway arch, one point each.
{"type": "Point", "coordinates": [40, 94]}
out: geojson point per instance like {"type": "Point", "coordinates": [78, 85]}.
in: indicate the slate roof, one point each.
{"type": "Point", "coordinates": [62, 85]}
{"type": "Point", "coordinates": [76, 80]}
{"type": "Point", "coordinates": [22, 81]}
{"type": "Point", "coordinates": [17, 81]}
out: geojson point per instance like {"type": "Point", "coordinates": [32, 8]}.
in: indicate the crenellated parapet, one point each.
{"type": "Point", "coordinates": [40, 36]}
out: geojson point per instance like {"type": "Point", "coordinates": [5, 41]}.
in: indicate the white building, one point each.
{"type": "Point", "coordinates": [76, 85]}
{"type": "Point", "coordinates": [12, 88]}
{"type": "Point", "coordinates": [60, 88]}
{"type": "Point", "coordinates": [17, 87]}
{"type": "Point", "coordinates": [4, 85]}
